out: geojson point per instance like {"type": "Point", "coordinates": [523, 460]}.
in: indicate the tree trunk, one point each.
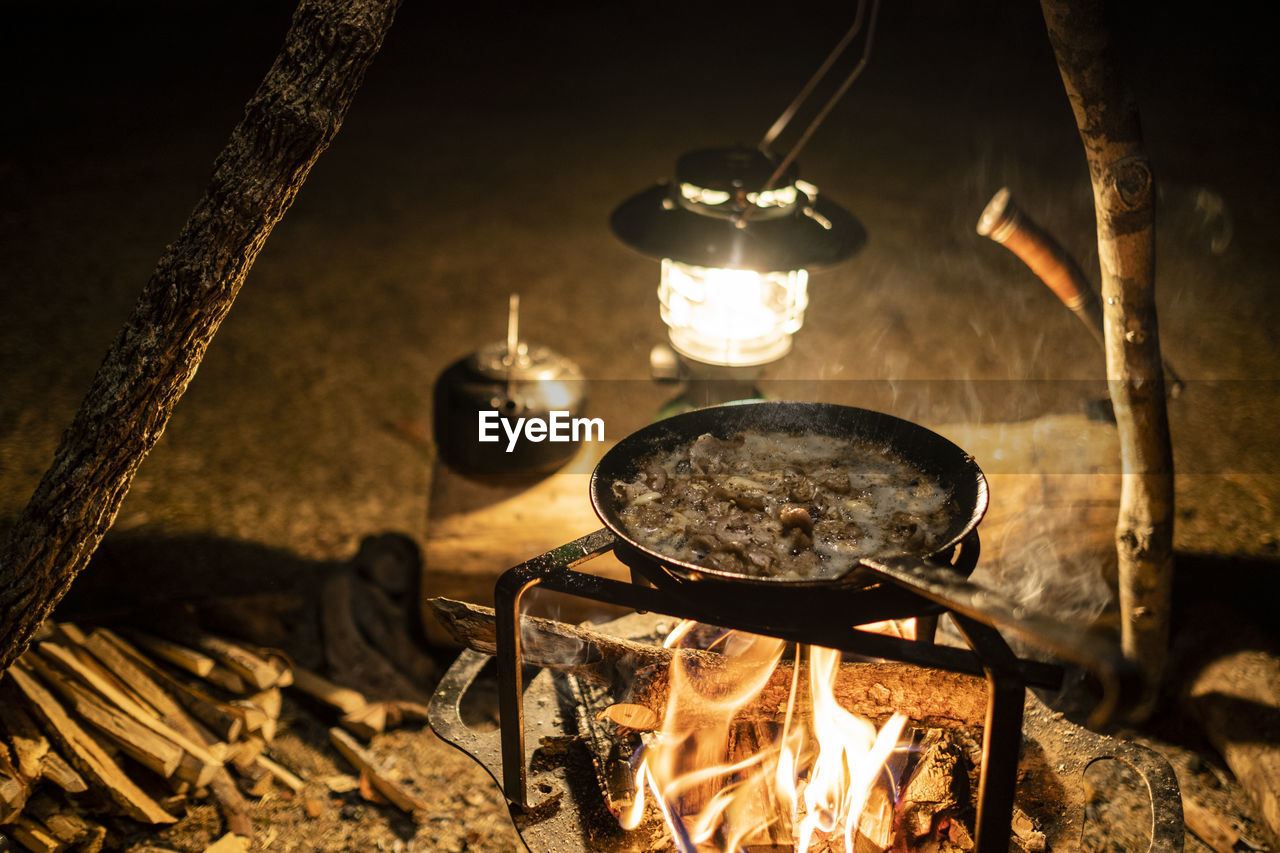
{"type": "Point", "coordinates": [1124, 200]}
{"type": "Point", "coordinates": [288, 122]}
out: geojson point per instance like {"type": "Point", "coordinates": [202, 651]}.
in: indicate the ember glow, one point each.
{"type": "Point", "coordinates": [723, 780]}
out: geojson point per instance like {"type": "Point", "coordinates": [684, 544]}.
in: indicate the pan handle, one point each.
{"type": "Point", "coordinates": [1119, 678]}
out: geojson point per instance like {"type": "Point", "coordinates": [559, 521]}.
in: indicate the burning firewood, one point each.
{"type": "Point", "coordinates": [935, 788]}
{"type": "Point", "coordinates": [871, 690]}
{"type": "Point", "coordinates": [930, 697]}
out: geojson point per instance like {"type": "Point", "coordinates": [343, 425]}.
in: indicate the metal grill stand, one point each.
{"type": "Point", "coordinates": [823, 617]}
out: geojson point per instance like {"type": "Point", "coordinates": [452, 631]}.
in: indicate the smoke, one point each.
{"type": "Point", "coordinates": [1045, 567]}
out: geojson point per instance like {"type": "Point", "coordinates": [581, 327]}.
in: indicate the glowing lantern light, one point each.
{"type": "Point", "coordinates": [736, 238]}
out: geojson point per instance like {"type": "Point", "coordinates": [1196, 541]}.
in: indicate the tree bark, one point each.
{"type": "Point", "coordinates": [289, 121]}
{"type": "Point", "coordinates": [1124, 201]}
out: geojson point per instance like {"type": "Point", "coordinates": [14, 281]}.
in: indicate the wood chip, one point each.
{"type": "Point", "coordinates": [378, 776]}
{"type": "Point", "coordinates": [629, 716]}
{"type": "Point", "coordinates": [29, 743]}
{"type": "Point", "coordinates": [341, 783]}
{"type": "Point", "coordinates": [190, 660]}
{"type": "Point", "coordinates": [344, 699]}
{"type": "Point", "coordinates": [35, 837]}
{"type": "Point", "coordinates": [56, 769]}
{"type": "Point", "coordinates": [281, 774]}
{"type": "Point", "coordinates": [244, 663]}
{"type": "Point", "coordinates": [66, 823]}
{"type": "Point", "coordinates": [367, 721]}
{"type": "Point", "coordinates": [229, 843]}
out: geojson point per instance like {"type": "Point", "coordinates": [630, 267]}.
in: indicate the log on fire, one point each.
{"type": "Point", "coordinates": [873, 690]}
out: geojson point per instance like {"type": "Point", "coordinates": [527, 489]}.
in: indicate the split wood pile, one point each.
{"type": "Point", "coordinates": [96, 728]}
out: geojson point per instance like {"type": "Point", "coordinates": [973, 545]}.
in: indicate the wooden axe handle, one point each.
{"type": "Point", "coordinates": [1006, 223]}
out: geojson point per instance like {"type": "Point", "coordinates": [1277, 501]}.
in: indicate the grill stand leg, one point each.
{"type": "Point", "coordinates": [1002, 737]}
{"type": "Point", "coordinates": [511, 587]}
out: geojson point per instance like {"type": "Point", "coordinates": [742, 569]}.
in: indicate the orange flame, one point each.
{"type": "Point", "coordinates": [811, 782]}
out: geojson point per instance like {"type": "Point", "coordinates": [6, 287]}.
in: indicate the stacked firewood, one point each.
{"type": "Point", "coordinates": [95, 727]}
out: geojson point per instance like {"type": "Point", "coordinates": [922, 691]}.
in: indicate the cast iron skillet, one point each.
{"type": "Point", "coordinates": [918, 574]}
{"type": "Point", "coordinates": [950, 466]}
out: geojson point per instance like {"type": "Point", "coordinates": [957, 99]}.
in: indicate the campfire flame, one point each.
{"type": "Point", "coordinates": [814, 782]}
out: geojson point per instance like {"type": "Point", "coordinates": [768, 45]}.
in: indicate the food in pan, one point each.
{"type": "Point", "coordinates": [779, 504]}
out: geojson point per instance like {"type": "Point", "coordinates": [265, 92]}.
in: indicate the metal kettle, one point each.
{"type": "Point", "coordinates": [493, 393]}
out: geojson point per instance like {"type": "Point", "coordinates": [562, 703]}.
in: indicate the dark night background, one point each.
{"type": "Point", "coordinates": [483, 156]}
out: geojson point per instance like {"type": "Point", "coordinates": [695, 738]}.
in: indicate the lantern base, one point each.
{"type": "Point", "coordinates": [703, 384]}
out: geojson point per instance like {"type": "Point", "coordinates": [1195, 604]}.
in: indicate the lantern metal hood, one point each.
{"type": "Point", "coordinates": [736, 233]}
{"type": "Point", "coordinates": [720, 212]}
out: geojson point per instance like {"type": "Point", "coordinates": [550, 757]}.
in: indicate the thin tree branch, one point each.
{"type": "Point", "coordinates": [1124, 200]}
{"type": "Point", "coordinates": [289, 121]}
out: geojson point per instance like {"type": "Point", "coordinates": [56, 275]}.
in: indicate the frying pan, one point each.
{"type": "Point", "coordinates": [924, 576]}
{"type": "Point", "coordinates": [947, 464]}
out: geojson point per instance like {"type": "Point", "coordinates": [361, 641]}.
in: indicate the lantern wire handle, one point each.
{"type": "Point", "coordinates": [789, 113]}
